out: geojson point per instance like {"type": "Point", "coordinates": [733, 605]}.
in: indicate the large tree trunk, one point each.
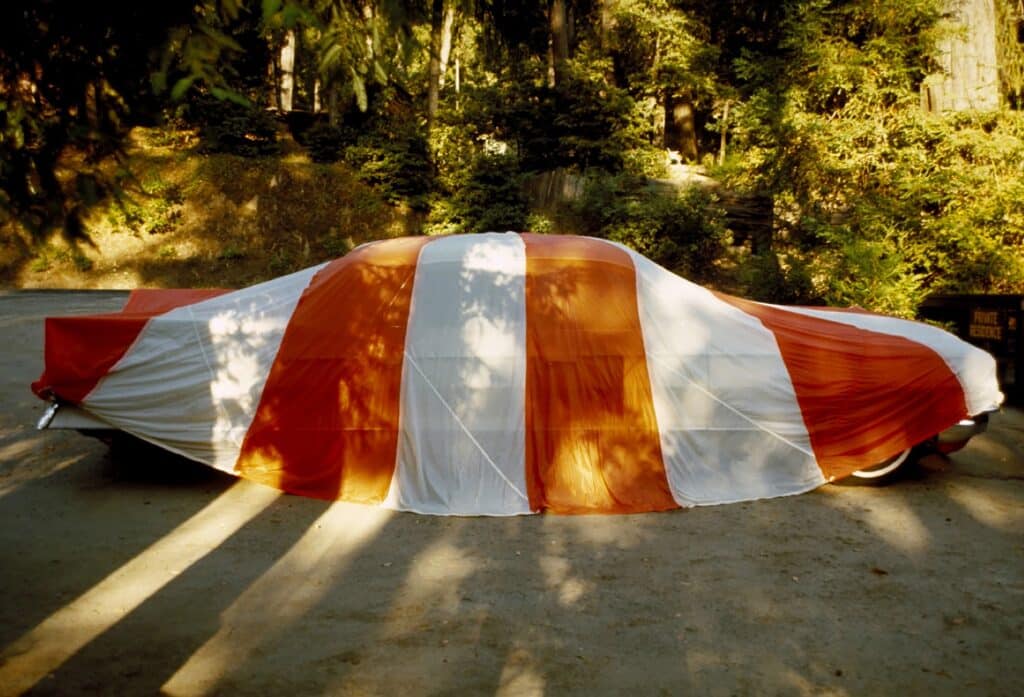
{"type": "Point", "coordinates": [447, 32]}
{"type": "Point", "coordinates": [286, 63]}
{"type": "Point", "coordinates": [969, 60]}
{"type": "Point", "coordinates": [680, 127]}
{"type": "Point", "coordinates": [558, 20]}
{"type": "Point", "coordinates": [333, 106]}
{"type": "Point", "coordinates": [434, 65]}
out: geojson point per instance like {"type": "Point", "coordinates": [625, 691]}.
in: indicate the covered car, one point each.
{"type": "Point", "coordinates": [505, 374]}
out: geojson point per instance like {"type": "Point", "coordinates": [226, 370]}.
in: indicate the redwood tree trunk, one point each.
{"type": "Point", "coordinates": [558, 19]}
{"type": "Point", "coordinates": [680, 127]}
{"type": "Point", "coordinates": [434, 65]}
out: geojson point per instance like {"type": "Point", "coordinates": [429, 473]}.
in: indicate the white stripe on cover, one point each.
{"type": "Point", "coordinates": [731, 427]}
{"type": "Point", "coordinates": [462, 444]}
{"type": "Point", "coordinates": [973, 367]}
{"type": "Point", "coordinates": [192, 380]}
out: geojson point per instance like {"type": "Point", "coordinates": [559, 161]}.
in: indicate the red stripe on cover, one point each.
{"type": "Point", "coordinates": [160, 300]}
{"type": "Point", "coordinates": [592, 438]}
{"type": "Point", "coordinates": [327, 422]}
{"type": "Point", "coordinates": [79, 351]}
{"type": "Point", "coordinates": [865, 396]}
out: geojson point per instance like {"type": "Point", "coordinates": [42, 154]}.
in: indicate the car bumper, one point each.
{"type": "Point", "coordinates": [956, 437]}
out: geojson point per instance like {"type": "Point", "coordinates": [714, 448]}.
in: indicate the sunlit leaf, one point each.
{"type": "Point", "coordinates": [330, 57]}
{"type": "Point", "coordinates": [181, 87]}
{"type": "Point", "coordinates": [220, 38]}
{"type": "Point", "coordinates": [359, 87]}
{"type": "Point", "coordinates": [270, 8]}
{"type": "Point", "coordinates": [293, 13]}
{"type": "Point", "coordinates": [230, 96]}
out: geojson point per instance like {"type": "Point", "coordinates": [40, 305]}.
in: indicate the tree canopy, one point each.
{"type": "Point", "coordinates": [458, 108]}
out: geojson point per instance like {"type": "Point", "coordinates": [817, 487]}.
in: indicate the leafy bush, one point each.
{"type": "Point", "coordinates": [684, 232]}
{"type": "Point", "coordinates": [326, 143]}
{"type": "Point", "coordinates": [229, 127]}
{"type": "Point", "coordinates": [769, 278]}
{"type": "Point", "coordinates": [396, 162]}
{"type": "Point", "coordinates": [488, 199]}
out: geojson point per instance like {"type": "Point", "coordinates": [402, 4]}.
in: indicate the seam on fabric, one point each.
{"type": "Point", "coordinates": [651, 356]}
{"type": "Point", "coordinates": [127, 352]}
{"type": "Point", "coordinates": [199, 339]}
{"type": "Point", "coordinates": [394, 492]}
{"type": "Point", "coordinates": [733, 409]}
{"type": "Point", "coordinates": [416, 367]}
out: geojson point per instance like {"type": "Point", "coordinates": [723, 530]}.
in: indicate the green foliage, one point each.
{"type": "Point", "coordinates": [395, 161]}
{"type": "Point", "coordinates": [229, 127]}
{"type": "Point", "coordinates": [770, 278]}
{"type": "Point", "coordinates": [336, 245]}
{"type": "Point", "coordinates": [873, 274]}
{"type": "Point", "coordinates": [684, 232]}
{"type": "Point", "coordinates": [489, 198]}
{"type": "Point", "coordinates": [583, 123]}
{"type": "Point", "coordinates": [886, 202]}
{"type": "Point", "coordinates": [876, 202]}
{"type": "Point", "coordinates": [49, 256]}
{"type": "Point", "coordinates": [325, 142]}
{"type": "Point", "coordinates": [72, 79]}
{"type": "Point", "coordinates": [231, 252]}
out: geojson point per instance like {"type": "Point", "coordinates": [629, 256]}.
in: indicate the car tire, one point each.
{"type": "Point", "coordinates": [884, 470]}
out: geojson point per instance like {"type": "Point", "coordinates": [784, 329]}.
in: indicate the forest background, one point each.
{"type": "Point", "coordinates": [787, 150]}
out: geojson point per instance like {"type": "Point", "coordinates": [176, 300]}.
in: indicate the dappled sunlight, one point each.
{"type": "Point", "coordinates": [275, 600]}
{"type": "Point", "coordinates": [989, 504]}
{"type": "Point", "coordinates": [597, 530]}
{"type": "Point", "coordinates": [240, 343]}
{"type": "Point", "coordinates": [462, 386]}
{"type": "Point", "coordinates": [593, 441]}
{"type": "Point", "coordinates": [193, 219]}
{"type": "Point", "coordinates": [520, 675]}
{"type": "Point", "coordinates": [568, 588]}
{"type": "Point", "coordinates": [435, 580]}
{"type": "Point", "coordinates": [18, 449]}
{"type": "Point", "coordinates": [193, 376]}
{"type": "Point", "coordinates": [327, 421]}
{"type": "Point", "coordinates": [61, 635]}
{"type": "Point", "coordinates": [21, 475]}
{"type": "Point", "coordinates": [432, 599]}
{"type": "Point", "coordinates": [731, 428]}
{"type": "Point", "coordinates": [886, 513]}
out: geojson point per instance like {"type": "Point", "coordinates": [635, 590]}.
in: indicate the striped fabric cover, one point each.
{"type": "Point", "coordinates": [505, 374]}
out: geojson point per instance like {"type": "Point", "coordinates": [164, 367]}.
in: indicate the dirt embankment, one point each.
{"type": "Point", "coordinates": [187, 219]}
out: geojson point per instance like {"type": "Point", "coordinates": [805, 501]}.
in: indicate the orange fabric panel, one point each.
{"type": "Point", "coordinates": [327, 422]}
{"type": "Point", "coordinates": [160, 300]}
{"type": "Point", "coordinates": [81, 350]}
{"type": "Point", "coordinates": [865, 396]}
{"type": "Point", "coordinates": [592, 437]}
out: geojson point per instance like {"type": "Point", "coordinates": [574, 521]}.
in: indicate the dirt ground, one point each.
{"type": "Point", "coordinates": [135, 576]}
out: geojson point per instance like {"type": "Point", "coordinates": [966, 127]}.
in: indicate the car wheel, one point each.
{"type": "Point", "coordinates": [885, 468]}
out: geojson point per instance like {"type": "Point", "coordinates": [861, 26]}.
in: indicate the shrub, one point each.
{"type": "Point", "coordinates": [396, 162]}
{"type": "Point", "coordinates": [488, 199]}
{"type": "Point", "coordinates": [228, 127]}
{"type": "Point", "coordinates": [326, 143]}
{"type": "Point", "coordinates": [684, 232]}
{"type": "Point", "coordinates": [766, 278]}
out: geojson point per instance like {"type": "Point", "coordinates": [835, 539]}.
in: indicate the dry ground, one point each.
{"type": "Point", "coordinates": [130, 577]}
